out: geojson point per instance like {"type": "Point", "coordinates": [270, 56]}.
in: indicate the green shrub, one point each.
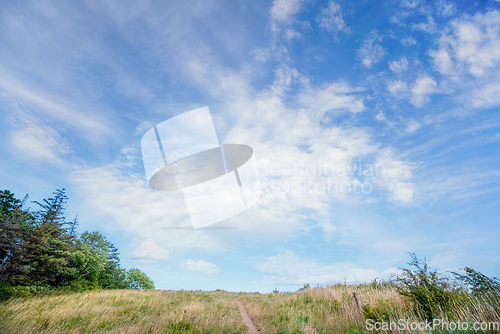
{"type": "Point", "coordinates": [428, 290]}
{"type": "Point", "coordinates": [5, 290]}
{"type": "Point", "coordinates": [26, 291]}
{"type": "Point", "coordinates": [181, 326]}
{"type": "Point", "coordinates": [377, 313]}
{"type": "Point", "coordinates": [481, 286]}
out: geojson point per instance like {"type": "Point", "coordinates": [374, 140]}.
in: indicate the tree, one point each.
{"type": "Point", "coordinates": [73, 226]}
{"type": "Point", "coordinates": [8, 202]}
{"type": "Point", "coordinates": [12, 219]}
{"type": "Point", "coordinates": [136, 279]}
{"type": "Point", "coordinates": [87, 267]}
{"type": "Point", "coordinates": [107, 269]}
{"type": "Point", "coordinates": [10, 247]}
{"type": "Point", "coordinates": [41, 249]}
{"type": "Point", "coordinates": [99, 245]}
{"type": "Point", "coordinates": [46, 256]}
{"type": "Point", "coordinates": [46, 245]}
{"type": "Point", "coordinates": [52, 209]}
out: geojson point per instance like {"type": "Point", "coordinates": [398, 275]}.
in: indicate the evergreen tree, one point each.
{"type": "Point", "coordinates": [8, 202]}
{"type": "Point", "coordinates": [10, 247]}
{"type": "Point", "coordinates": [41, 249]}
{"type": "Point", "coordinates": [12, 219]}
{"type": "Point", "coordinates": [46, 245]}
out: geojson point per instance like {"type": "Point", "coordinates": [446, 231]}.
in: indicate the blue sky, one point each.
{"type": "Point", "coordinates": [410, 86]}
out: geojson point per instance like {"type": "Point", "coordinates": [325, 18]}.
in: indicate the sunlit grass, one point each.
{"type": "Point", "coordinates": [318, 310]}
{"type": "Point", "coordinates": [333, 309]}
{"type": "Point", "coordinates": [124, 311]}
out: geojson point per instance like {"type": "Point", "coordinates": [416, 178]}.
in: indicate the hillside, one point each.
{"type": "Point", "coordinates": [124, 311]}
{"type": "Point", "coordinates": [312, 310]}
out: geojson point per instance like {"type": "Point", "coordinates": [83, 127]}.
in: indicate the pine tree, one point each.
{"type": "Point", "coordinates": [47, 245]}
{"type": "Point", "coordinates": [12, 219]}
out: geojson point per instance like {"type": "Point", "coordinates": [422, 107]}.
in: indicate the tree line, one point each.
{"type": "Point", "coordinates": [41, 251]}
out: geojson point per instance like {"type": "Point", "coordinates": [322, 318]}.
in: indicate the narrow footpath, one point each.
{"type": "Point", "coordinates": [246, 318]}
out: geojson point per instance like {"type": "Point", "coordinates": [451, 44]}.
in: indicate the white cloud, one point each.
{"type": "Point", "coordinates": [291, 33]}
{"type": "Point", "coordinates": [284, 24]}
{"type": "Point", "coordinates": [398, 88]}
{"type": "Point", "coordinates": [149, 250]}
{"type": "Point", "coordinates": [398, 66]}
{"type": "Point", "coordinates": [394, 176]}
{"type": "Point", "coordinates": [429, 27]}
{"type": "Point", "coordinates": [486, 96]}
{"type": "Point", "coordinates": [284, 10]}
{"type": "Point", "coordinates": [443, 61]}
{"type": "Point", "coordinates": [286, 268]}
{"type": "Point", "coordinates": [38, 143]}
{"type": "Point", "coordinates": [200, 266]}
{"type": "Point", "coordinates": [410, 3]}
{"type": "Point", "coordinates": [423, 87]}
{"type": "Point", "coordinates": [371, 53]}
{"type": "Point", "coordinates": [469, 45]}
{"type": "Point", "coordinates": [412, 126]}
{"type": "Point", "coordinates": [291, 133]}
{"type": "Point", "coordinates": [261, 54]}
{"type": "Point", "coordinates": [408, 41]}
{"type": "Point", "coordinates": [330, 18]}
{"type": "Point", "coordinates": [446, 8]}
{"type": "Point", "coordinates": [55, 107]}
{"type": "Point", "coordinates": [381, 117]}
{"type": "Point", "coordinates": [468, 57]}
{"type": "Point", "coordinates": [335, 97]}
{"type": "Point", "coordinates": [281, 135]}
{"type": "Point", "coordinates": [119, 194]}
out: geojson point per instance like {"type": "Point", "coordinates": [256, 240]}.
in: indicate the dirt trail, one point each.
{"type": "Point", "coordinates": [246, 318]}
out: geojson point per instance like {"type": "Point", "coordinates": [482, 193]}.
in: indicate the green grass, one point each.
{"type": "Point", "coordinates": [123, 311]}
{"type": "Point", "coordinates": [319, 310]}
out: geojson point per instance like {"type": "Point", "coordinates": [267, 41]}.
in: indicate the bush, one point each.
{"type": "Point", "coordinates": [430, 293]}
{"type": "Point", "coordinates": [7, 291]}
{"type": "Point", "coordinates": [377, 313]}
{"type": "Point", "coordinates": [181, 326]}
{"type": "Point", "coordinates": [479, 284]}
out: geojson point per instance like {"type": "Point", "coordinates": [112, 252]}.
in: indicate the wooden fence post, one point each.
{"type": "Point", "coordinates": [357, 303]}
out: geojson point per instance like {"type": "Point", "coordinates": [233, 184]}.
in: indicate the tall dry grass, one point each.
{"type": "Point", "coordinates": [124, 311]}
{"type": "Point", "coordinates": [333, 309]}
{"type": "Point", "coordinates": [318, 310]}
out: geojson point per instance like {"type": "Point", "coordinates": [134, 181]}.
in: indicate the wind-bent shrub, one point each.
{"type": "Point", "coordinates": [431, 293]}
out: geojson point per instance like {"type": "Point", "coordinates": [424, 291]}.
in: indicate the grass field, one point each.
{"type": "Point", "coordinates": [124, 311]}
{"type": "Point", "coordinates": [333, 310]}
{"type": "Point", "coordinates": [319, 310]}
